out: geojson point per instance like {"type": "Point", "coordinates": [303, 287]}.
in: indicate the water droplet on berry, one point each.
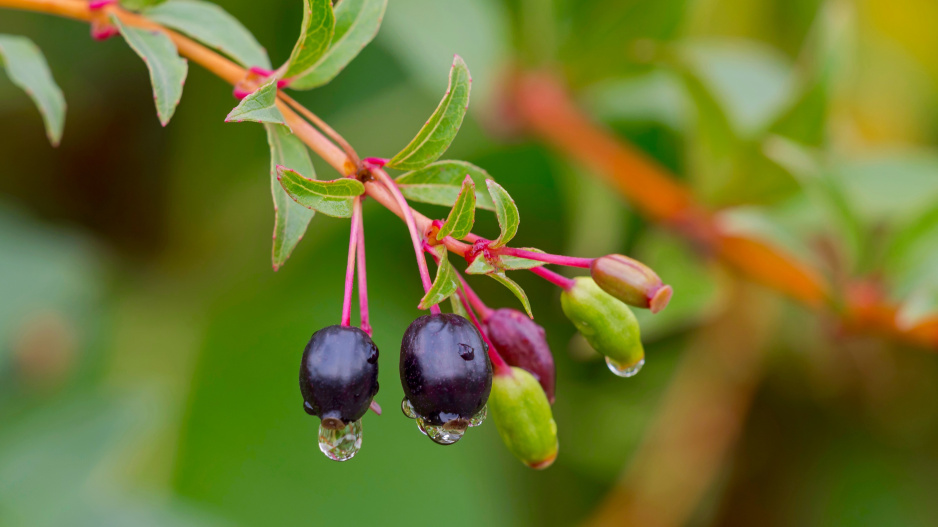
{"type": "Point", "coordinates": [408, 409]}
{"type": "Point", "coordinates": [421, 426]}
{"type": "Point", "coordinates": [479, 418]}
{"type": "Point", "coordinates": [627, 371]}
{"type": "Point", "coordinates": [466, 351]}
{"type": "Point", "coordinates": [448, 433]}
{"type": "Point", "coordinates": [341, 444]}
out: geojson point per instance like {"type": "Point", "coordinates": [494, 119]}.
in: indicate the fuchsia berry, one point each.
{"type": "Point", "coordinates": [522, 343]}
{"type": "Point", "coordinates": [446, 375]}
{"type": "Point", "coordinates": [338, 380]}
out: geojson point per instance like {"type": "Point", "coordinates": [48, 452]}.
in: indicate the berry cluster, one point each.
{"type": "Point", "coordinates": [457, 367]}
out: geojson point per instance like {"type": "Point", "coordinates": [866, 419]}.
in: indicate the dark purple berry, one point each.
{"type": "Point", "coordinates": [520, 341]}
{"type": "Point", "coordinates": [445, 369]}
{"type": "Point", "coordinates": [339, 375]}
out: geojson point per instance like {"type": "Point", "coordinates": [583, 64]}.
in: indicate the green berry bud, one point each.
{"type": "Point", "coordinates": [607, 324]}
{"type": "Point", "coordinates": [522, 415]}
{"type": "Point", "coordinates": [630, 281]}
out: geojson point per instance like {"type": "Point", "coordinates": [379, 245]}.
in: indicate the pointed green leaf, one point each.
{"type": "Point", "coordinates": [167, 69]}
{"type": "Point", "coordinates": [213, 26]}
{"type": "Point", "coordinates": [356, 24]}
{"type": "Point", "coordinates": [440, 183]}
{"type": "Point", "coordinates": [458, 308]}
{"type": "Point", "coordinates": [463, 214]}
{"type": "Point", "coordinates": [332, 198]}
{"type": "Point", "coordinates": [514, 288]}
{"type": "Point", "coordinates": [315, 37]}
{"type": "Point", "coordinates": [260, 106]}
{"type": "Point", "coordinates": [28, 69]}
{"type": "Point", "coordinates": [440, 130]}
{"type": "Point", "coordinates": [515, 263]}
{"type": "Point", "coordinates": [507, 212]}
{"type": "Point", "coordinates": [480, 265]}
{"type": "Point", "coordinates": [290, 218]}
{"type": "Point", "coordinates": [444, 285]}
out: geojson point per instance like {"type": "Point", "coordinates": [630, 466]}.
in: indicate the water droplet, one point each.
{"type": "Point", "coordinates": [479, 418]}
{"type": "Point", "coordinates": [448, 433]}
{"type": "Point", "coordinates": [341, 444]}
{"type": "Point", "coordinates": [466, 351]}
{"type": "Point", "coordinates": [628, 371]}
{"type": "Point", "coordinates": [421, 426]}
{"type": "Point", "coordinates": [408, 409]}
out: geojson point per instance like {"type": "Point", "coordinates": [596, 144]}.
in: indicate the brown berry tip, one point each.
{"type": "Point", "coordinates": [660, 298]}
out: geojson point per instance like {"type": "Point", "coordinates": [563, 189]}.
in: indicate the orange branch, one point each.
{"type": "Point", "coordinates": [546, 108]}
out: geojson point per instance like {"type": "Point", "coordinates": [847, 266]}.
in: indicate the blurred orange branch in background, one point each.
{"type": "Point", "coordinates": [547, 109]}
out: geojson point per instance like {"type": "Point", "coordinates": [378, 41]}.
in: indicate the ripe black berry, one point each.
{"type": "Point", "coordinates": [445, 370]}
{"type": "Point", "coordinates": [339, 375]}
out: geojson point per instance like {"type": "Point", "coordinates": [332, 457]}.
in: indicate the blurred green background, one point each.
{"type": "Point", "coordinates": [148, 353]}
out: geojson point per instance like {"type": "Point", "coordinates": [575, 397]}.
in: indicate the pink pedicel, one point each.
{"type": "Point", "coordinates": [94, 5]}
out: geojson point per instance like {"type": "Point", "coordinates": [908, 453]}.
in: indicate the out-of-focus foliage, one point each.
{"type": "Point", "coordinates": [148, 354]}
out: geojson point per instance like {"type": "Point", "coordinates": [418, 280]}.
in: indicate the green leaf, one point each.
{"type": "Point", "coordinates": [213, 26]}
{"type": "Point", "coordinates": [440, 130]}
{"type": "Point", "coordinates": [28, 69]}
{"type": "Point", "coordinates": [751, 82]}
{"type": "Point", "coordinates": [137, 5]}
{"type": "Point", "coordinates": [444, 285]}
{"type": "Point", "coordinates": [315, 37]}
{"type": "Point", "coordinates": [514, 288]}
{"type": "Point", "coordinates": [290, 218]}
{"type": "Point", "coordinates": [167, 69]}
{"type": "Point", "coordinates": [260, 106]}
{"type": "Point", "coordinates": [482, 265]}
{"type": "Point", "coordinates": [463, 215]}
{"type": "Point", "coordinates": [440, 183]}
{"type": "Point", "coordinates": [458, 308]}
{"type": "Point", "coordinates": [356, 24]}
{"type": "Point", "coordinates": [332, 198]}
{"type": "Point", "coordinates": [515, 263]}
{"type": "Point", "coordinates": [507, 212]}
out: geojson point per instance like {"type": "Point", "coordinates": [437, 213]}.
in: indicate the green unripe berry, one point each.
{"type": "Point", "coordinates": [607, 324]}
{"type": "Point", "coordinates": [523, 418]}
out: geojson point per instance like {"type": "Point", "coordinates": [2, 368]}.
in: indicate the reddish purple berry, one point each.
{"type": "Point", "coordinates": [520, 341]}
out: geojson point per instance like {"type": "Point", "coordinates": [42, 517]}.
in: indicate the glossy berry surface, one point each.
{"type": "Point", "coordinates": [339, 375]}
{"type": "Point", "coordinates": [521, 342]}
{"type": "Point", "coordinates": [445, 369]}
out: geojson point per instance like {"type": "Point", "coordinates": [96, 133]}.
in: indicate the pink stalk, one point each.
{"type": "Point", "coordinates": [362, 277]}
{"type": "Point", "coordinates": [350, 267]}
{"type": "Point", "coordinates": [558, 280]}
{"type": "Point", "coordinates": [498, 363]}
{"type": "Point", "coordinates": [415, 236]}
{"type": "Point", "coordinates": [569, 261]}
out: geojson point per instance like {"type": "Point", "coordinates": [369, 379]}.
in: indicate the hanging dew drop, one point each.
{"type": "Point", "coordinates": [421, 426]}
{"type": "Point", "coordinates": [408, 408]}
{"type": "Point", "coordinates": [341, 444]}
{"type": "Point", "coordinates": [448, 433]}
{"type": "Point", "coordinates": [479, 418]}
{"type": "Point", "coordinates": [628, 371]}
